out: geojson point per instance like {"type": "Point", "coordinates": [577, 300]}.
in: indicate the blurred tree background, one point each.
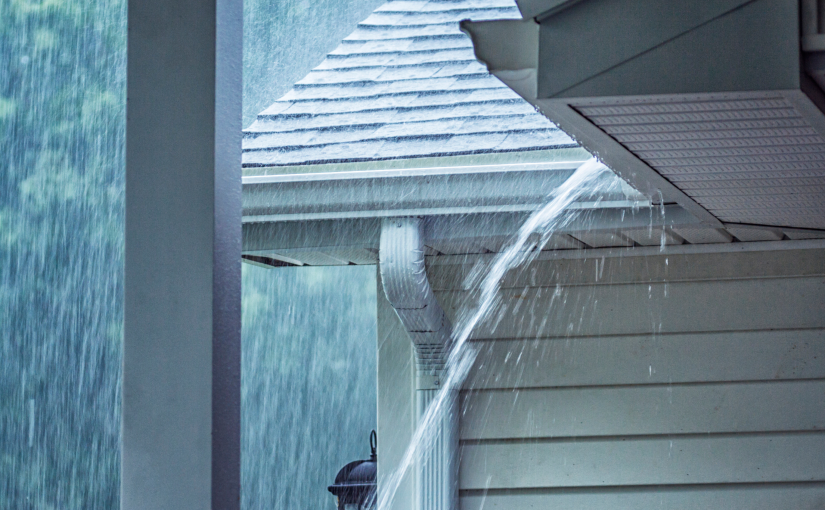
{"type": "Point", "coordinates": [62, 106]}
{"type": "Point", "coordinates": [62, 127]}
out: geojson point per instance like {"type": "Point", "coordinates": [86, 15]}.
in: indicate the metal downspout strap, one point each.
{"type": "Point", "coordinates": [404, 277]}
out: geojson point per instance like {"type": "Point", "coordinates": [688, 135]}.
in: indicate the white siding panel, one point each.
{"type": "Point", "coordinates": [650, 269]}
{"type": "Point", "coordinates": [659, 461]}
{"type": "Point", "coordinates": [760, 497]}
{"type": "Point", "coordinates": [686, 382]}
{"type": "Point", "coordinates": [644, 410]}
{"type": "Point", "coordinates": [662, 307]}
{"type": "Point", "coordinates": [650, 359]}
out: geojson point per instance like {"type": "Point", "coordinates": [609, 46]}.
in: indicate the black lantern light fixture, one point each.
{"type": "Point", "coordinates": [354, 485]}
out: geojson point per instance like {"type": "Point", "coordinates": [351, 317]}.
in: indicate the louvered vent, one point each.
{"type": "Point", "coordinates": [746, 161]}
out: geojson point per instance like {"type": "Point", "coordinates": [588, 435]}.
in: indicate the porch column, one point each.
{"type": "Point", "coordinates": [181, 356]}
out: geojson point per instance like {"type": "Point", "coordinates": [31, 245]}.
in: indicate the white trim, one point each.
{"type": "Point", "coordinates": [437, 211]}
{"type": "Point", "coordinates": [749, 226]}
{"type": "Point", "coordinates": [411, 172]}
{"type": "Point", "coordinates": [683, 249]}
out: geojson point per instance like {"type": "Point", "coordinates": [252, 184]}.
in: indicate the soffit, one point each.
{"type": "Point", "coordinates": [756, 161]}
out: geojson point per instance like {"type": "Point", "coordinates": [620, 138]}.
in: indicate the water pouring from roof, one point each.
{"type": "Point", "coordinates": [486, 281]}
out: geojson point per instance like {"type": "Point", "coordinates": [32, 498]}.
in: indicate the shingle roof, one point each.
{"type": "Point", "coordinates": [404, 84]}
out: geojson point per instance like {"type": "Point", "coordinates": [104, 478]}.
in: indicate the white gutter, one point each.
{"type": "Point", "coordinates": [416, 192]}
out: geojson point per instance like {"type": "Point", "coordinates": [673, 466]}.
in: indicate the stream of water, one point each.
{"type": "Point", "coordinates": [486, 280]}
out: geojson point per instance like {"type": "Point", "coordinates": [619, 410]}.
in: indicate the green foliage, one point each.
{"type": "Point", "coordinates": [8, 108]}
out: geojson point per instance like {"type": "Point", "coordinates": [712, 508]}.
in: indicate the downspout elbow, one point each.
{"type": "Point", "coordinates": [404, 277]}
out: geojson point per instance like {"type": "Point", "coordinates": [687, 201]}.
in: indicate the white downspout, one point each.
{"type": "Point", "coordinates": [401, 263]}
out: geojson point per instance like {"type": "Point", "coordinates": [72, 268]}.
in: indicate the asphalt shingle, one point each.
{"type": "Point", "coordinates": [404, 84]}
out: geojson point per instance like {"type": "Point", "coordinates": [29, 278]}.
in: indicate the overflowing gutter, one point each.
{"type": "Point", "coordinates": [335, 218]}
{"type": "Point", "coordinates": [307, 202]}
{"type": "Point", "coordinates": [419, 191]}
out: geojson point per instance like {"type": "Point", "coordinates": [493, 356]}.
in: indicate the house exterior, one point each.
{"type": "Point", "coordinates": [666, 348]}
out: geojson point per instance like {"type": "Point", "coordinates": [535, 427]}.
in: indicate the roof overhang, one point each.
{"type": "Point", "coordinates": [334, 217]}
{"type": "Point", "coordinates": [712, 103]}
{"type": "Point", "coordinates": [709, 109]}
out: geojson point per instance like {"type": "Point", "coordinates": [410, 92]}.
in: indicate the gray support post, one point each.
{"type": "Point", "coordinates": [181, 356]}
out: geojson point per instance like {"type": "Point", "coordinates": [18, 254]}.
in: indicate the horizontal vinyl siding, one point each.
{"type": "Point", "coordinates": [627, 309]}
{"type": "Point", "coordinates": [689, 382]}
{"type": "Point", "coordinates": [807, 496]}
{"type": "Point", "coordinates": [650, 359]}
{"type": "Point", "coordinates": [661, 409]}
{"type": "Point", "coordinates": [645, 461]}
{"type": "Point", "coordinates": [614, 270]}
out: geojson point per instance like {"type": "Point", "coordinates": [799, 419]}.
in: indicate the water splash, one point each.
{"type": "Point", "coordinates": [487, 279]}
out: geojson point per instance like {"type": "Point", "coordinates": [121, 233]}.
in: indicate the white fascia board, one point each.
{"type": "Point", "coordinates": [640, 251]}
{"type": "Point", "coordinates": [616, 205]}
